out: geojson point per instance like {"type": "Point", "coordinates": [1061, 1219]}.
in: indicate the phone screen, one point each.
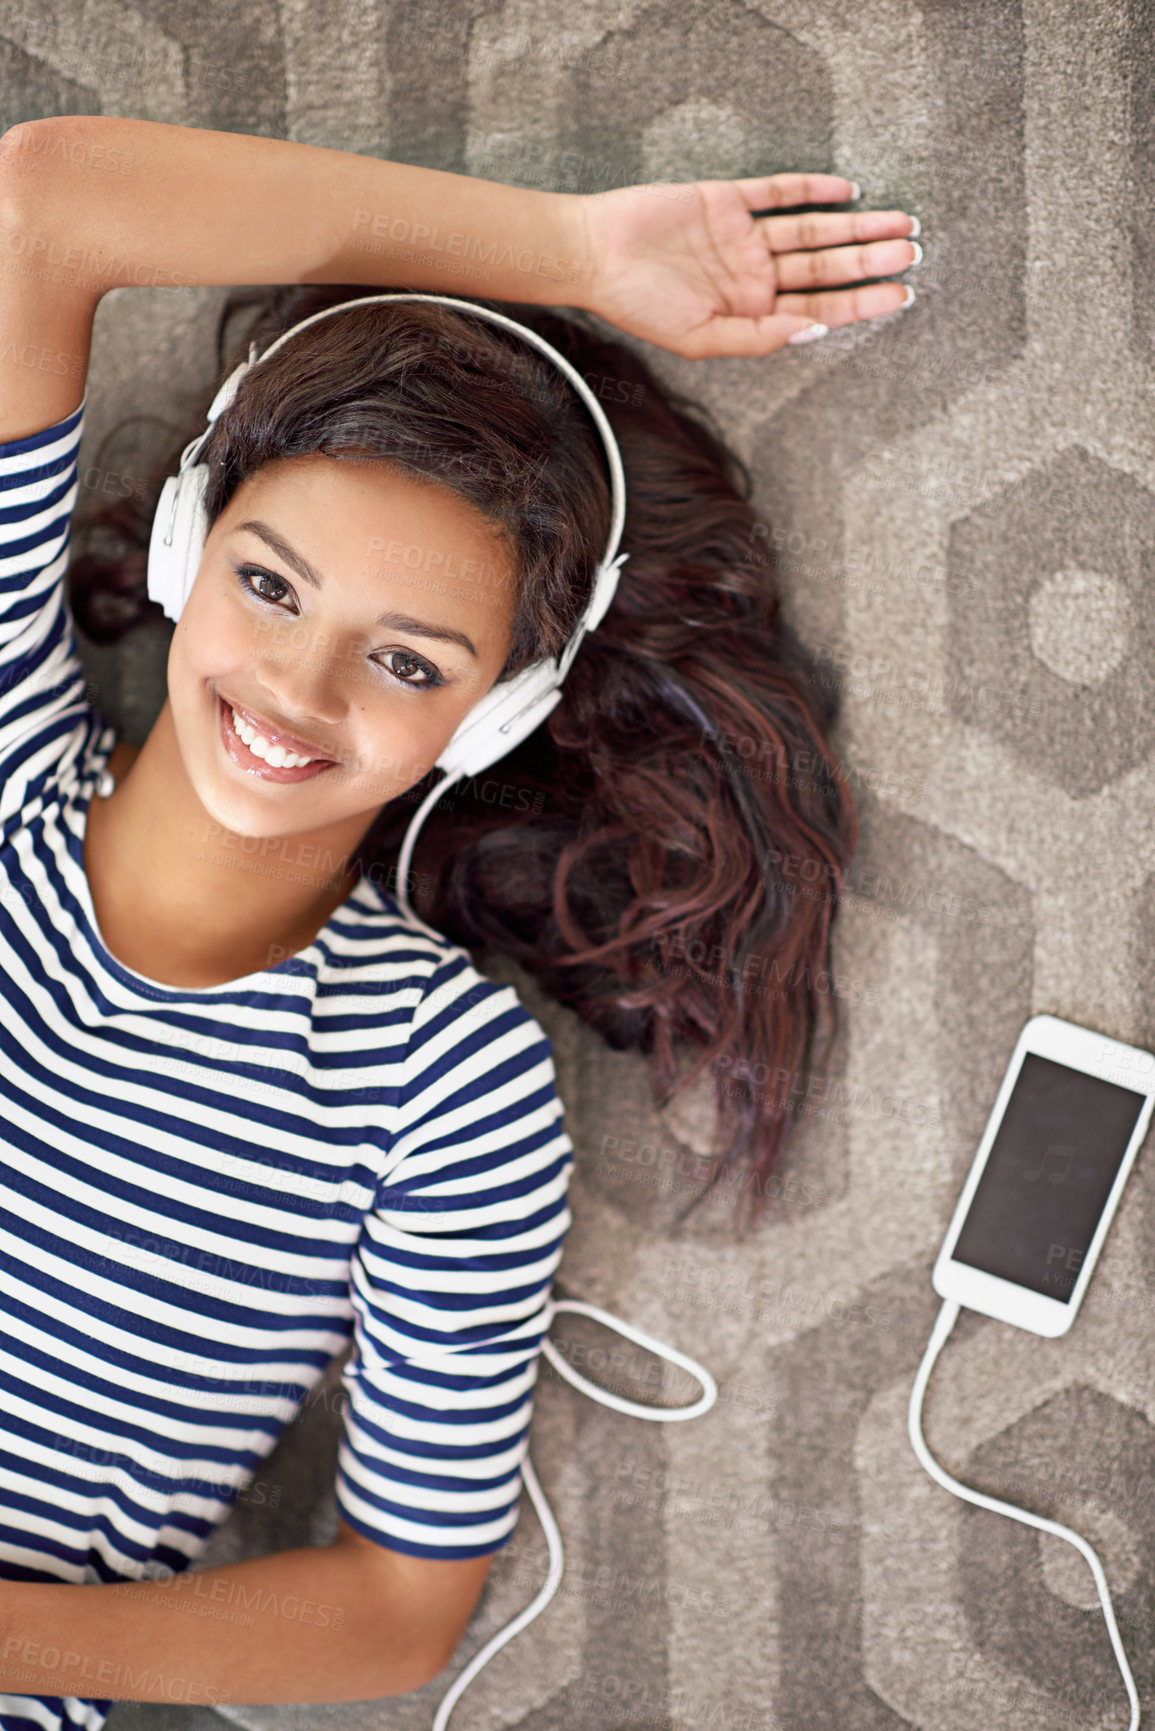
{"type": "Point", "coordinates": [1055, 1156]}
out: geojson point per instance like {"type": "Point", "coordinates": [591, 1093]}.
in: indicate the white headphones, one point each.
{"type": "Point", "coordinates": [509, 712]}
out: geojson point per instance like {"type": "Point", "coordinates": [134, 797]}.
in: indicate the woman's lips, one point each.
{"type": "Point", "coordinates": [289, 742]}
{"type": "Point", "coordinates": [252, 765]}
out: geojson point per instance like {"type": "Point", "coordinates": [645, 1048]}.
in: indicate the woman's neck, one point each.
{"type": "Point", "coordinates": [181, 901]}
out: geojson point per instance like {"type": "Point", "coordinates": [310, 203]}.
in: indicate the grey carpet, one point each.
{"type": "Point", "coordinates": [963, 493]}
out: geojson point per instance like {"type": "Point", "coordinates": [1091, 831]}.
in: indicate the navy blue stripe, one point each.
{"type": "Point", "coordinates": [66, 468]}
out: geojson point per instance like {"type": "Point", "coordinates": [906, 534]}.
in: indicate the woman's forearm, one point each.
{"type": "Point", "coordinates": [298, 1626]}
{"type": "Point", "coordinates": [112, 202]}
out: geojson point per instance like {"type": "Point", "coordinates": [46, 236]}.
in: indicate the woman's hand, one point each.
{"type": "Point", "coordinates": [690, 267]}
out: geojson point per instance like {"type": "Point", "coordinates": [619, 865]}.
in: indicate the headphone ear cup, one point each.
{"type": "Point", "coordinates": [179, 533]}
{"type": "Point", "coordinates": [505, 716]}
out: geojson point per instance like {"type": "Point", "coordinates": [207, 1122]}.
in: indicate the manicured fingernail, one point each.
{"type": "Point", "coordinates": [856, 190]}
{"type": "Point", "coordinates": [909, 298]}
{"type": "Point", "coordinates": [809, 334]}
{"type": "Point", "coordinates": [917, 259]}
{"type": "Point", "coordinates": [915, 228]}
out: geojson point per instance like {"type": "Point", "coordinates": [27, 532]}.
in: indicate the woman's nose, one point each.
{"type": "Point", "coordinates": [310, 681]}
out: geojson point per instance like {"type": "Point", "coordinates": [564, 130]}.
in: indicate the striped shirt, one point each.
{"type": "Point", "coordinates": [207, 1194]}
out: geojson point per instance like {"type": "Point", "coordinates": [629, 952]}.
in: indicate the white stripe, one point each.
{"type": "Point", "coordinates": [394, 1526]}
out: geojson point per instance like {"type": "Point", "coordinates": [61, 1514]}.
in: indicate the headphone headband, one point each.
{"type": "Point", "coordinates": [613, 456]}
{"type": "Point", "coordinates": [605, 582]}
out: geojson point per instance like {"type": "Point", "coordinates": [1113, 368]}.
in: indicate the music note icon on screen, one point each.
{"type": "Point", "coordinates": [1056, 1163]}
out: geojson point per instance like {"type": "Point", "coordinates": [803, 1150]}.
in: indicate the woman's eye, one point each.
{"type": "Point", "coordinates": [410, 669]}
{"type": "Point", "coordinates": [249, 576]}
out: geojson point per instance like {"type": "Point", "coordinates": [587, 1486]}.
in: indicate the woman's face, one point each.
{"type": "Point", "coordinates": [371, 665]}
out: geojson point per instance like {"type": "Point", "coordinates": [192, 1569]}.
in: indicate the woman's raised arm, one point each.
{"type": "Point", "coordinates": [139, 203]}
{"type": "Point", "coordinates": [90, 203]}
{"type": "Point", "coordinates": [118, 202]}
{"type": "Point", "coordinates": [45, 326]}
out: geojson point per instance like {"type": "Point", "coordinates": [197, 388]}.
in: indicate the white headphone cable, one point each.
{"type": "Point", "coordinates": [657, 1414]}
{"type": "Point", "coordinates": [947, 1317]}
{"type": "Point", "coordinates": [405, 857]}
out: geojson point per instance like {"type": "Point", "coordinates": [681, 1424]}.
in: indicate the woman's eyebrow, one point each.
{"type": "Point", "coordinates": [394, 621]}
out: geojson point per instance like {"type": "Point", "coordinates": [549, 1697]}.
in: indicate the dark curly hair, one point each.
{"type": "Point", "coordinates": [648, 871]}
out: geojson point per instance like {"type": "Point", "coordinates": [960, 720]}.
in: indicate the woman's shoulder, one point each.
{"type": "Point", "coordinates": [372, 909]}
{"type": "Point", "coordinates": [445, 983]}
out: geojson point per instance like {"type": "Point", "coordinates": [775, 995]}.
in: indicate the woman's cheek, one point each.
{"type": "Point", "coordinates": [401, 751]}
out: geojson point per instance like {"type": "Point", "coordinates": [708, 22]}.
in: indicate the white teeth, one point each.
{"type": "Point", "coordinates": [274, 755]}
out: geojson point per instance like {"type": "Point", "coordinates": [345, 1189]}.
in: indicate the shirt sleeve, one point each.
{"type": "Point", "coordinates": [452, 1277]}
{"type": "Point", "coordinates": [43, 700]}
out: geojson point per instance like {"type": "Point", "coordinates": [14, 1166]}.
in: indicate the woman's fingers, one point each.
{"type": "Point", "coordinates": [780, 191]}
{"type": "Point", "coordinates": [792, 315]}
{"type": "Point", "coordinates": [840, 264]}
{"type": "Point", "coordinates": [846, 306]}
{"type": "Point", "coordinates": [821, 228]}
{"type": "Point", "coordinates": [739, 336]}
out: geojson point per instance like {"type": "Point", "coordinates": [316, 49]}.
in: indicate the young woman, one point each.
{"type": "Point", "coordinates": [252, 1111]}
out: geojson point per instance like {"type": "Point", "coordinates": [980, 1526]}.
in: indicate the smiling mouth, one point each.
{"type": "Point", "coordinates": [278, 758]}
{"type": "Point", "coordinates": [264, 740]}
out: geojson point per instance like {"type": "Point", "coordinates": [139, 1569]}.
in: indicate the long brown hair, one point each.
{"type": "Point", "coordinates": [669, 861]}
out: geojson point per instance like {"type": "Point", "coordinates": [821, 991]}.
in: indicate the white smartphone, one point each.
{"type": "Point", "coordinates": [1070, 1116]}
